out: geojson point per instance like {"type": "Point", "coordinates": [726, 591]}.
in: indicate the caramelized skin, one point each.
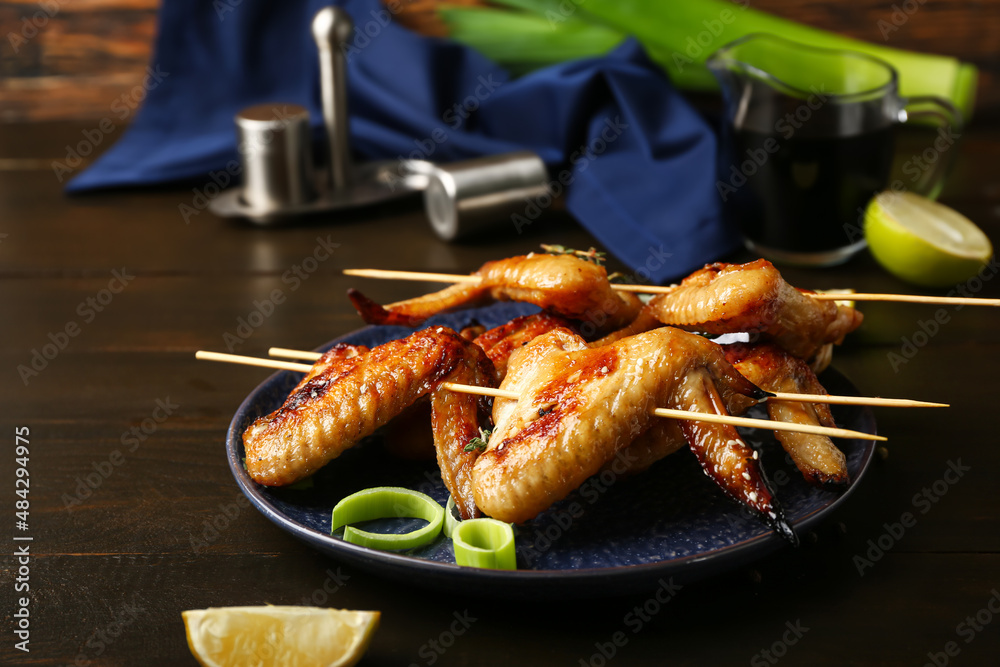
{"type": "Point", "coordinates": [773, 369]}
{"type": "Point", "coordinates": [413, 312]}
{"type": "Point", "coordinates": [350, 398]}
{"type": "Point", "coordinates": [725, 457]}
{"type": "Point", "coordinates": [503, 340]}
{"type": "Point", "coordinates": [456, 419]}
{"type": "Point", "coordinates": [562, 284]}
{"type": "Point", "coordinates": [753, 297]}
{"type": "Point", "coordinates": [581, 406]}
{"type": "Point", "coordinates": [473, 331]}
{"type": "Point", "coordinates": [336, 355]}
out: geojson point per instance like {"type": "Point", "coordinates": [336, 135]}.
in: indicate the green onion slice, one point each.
{"type": "Point", "coordinates": [485, 543]}
{"type": "Point", "coordinates": [383, 502]}
{"type": "Point", "coordinates": [451, 517]}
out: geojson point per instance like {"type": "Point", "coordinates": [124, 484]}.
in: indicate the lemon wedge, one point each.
{"type": "Point", "coordinates": [922, 241]}
{"type": "Point", "coordinates": [224, 636]}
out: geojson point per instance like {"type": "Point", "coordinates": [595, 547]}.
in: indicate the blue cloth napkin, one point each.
{"type": "Point", "coordinates": [636, 161]}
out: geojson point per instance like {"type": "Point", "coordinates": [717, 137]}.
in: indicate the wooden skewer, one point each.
{"type": "Point", "coordinates": [412, 275]}
{"type": "Point", "coordinates": [701, 416]}
{"type": "Point", "coordinates": [480, 391]}
{"type": "Point", "coordinates": [768, 424]}
{"type": "Point", "coordinates": [874, 401]}
{"type": "Point", "coordinates": [205, 355]}
{"type": "Point", "coordinates": [486, 391]}
{"type": "Point", "coordinates": [695, 416]}
{"type": "Point", "coordinates": [388, 274]}
{"type": "Point", "coordinates": [658, 289]}
{"type": "Point", "coordinates": [908, 298]}
{"type": "Point", "coordinates": [778, 396]}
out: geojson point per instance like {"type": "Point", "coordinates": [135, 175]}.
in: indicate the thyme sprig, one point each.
{"type": "Point", "coordinates": [479, 441]}
{"type": "Point", "coordinates": [591, 255]}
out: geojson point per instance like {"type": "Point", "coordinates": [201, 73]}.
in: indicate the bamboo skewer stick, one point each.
{"type": "Point", "coordinates": [768, 424]}
{"type": "Point", "coordinates": [412, 275]}
{"type": "Point", "coordinates": [658, 289]}
{"type": "Point", "coordinates": [701, 416]}
{"type": "Point", "coordinates": [778, 396]}
{"type": "Point", "coordinates": [908, 298]}
{"type": "Point", "coordinates": [486, 391]}
{"type": "Point", "coordinates": [874, 401]}
{"type": "Point", "coordinates": [205, 355]}
{"type": "Point", "coordinates": [480, 391]}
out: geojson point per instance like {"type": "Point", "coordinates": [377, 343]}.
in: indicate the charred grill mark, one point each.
{"type": "Point", "coordinates": [315, 388]}
{"type": "Point", "coordinates": [500, 342]}
{"type": "Point", "coordinates": [520, 330]}
{"type": "Point", "coordinates": [335, 355]}
{"type": "Point", "coordinates": [561, 398]}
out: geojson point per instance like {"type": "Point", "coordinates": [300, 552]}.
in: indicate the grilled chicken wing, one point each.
{"type": "Point", "coordinates": [753, 297]}
{"type": "Point", "coordinates": [352, 395]}
{"type": "Point", "coordinates": [563, 284]}
{"type": "Point", "coordinates": [580, 406]}
{"type": "Point", "coordinates": [773, 369]}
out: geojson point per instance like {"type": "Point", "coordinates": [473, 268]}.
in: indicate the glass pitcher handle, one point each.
{"type": "Point", "coordinates": [942, 114]}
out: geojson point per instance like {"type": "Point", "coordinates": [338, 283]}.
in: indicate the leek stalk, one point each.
{"type": "Point", "coordinates": [679, 36]}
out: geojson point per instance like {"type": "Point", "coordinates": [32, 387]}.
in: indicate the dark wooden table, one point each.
{"type": "Point", "coordinates": [127, 466]}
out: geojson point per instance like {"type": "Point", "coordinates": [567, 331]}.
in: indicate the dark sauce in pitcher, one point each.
{"type": "Point", "coordinates": [805, 195]}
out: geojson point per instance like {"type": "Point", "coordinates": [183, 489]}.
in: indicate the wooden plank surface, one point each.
{"type": "Point", "coordinates": [90, 52]}
{"type": "Point", "coordinates": [125, 560]}
{"type": "Point", "coordinates": [726, 621]}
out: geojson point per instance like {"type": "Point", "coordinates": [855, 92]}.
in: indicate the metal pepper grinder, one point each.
{"type": "Point", "coordinates": [331, 28]}
{"type": "Point", "coordinates": [461, 198]}
{"type": "Point", "coordinates": [273, 150]}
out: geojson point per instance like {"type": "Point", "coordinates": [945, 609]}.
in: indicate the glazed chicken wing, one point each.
{"type": "Point", "coordinates": [773, 369]}
{"type": "Point", "coordinates": [580, 406]}
{"type": "Point", "coordinates": [563, 284]}
{"type": "Point", "coordinates": [753, 297]}
{"type": "Point", "coordinates": [351, 395]}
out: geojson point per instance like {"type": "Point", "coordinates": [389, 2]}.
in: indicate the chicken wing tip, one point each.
{"type": "Point", "coordinates": [777, 522]}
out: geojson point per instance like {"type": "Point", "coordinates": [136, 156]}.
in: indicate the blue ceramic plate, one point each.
{"type": "Point", "coordinates": [611, 536]}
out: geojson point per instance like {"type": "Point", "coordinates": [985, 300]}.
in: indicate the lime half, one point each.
{"type": "Point", "coordinates": [924, 242]}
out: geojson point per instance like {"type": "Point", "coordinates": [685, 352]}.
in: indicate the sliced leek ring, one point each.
{"type": "Point", "coordinates": [485, 543]}
{"type": "Point", "coordinates": [383, 502]}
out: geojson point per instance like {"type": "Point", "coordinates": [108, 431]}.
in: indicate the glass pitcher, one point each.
{"type": "Point", "coordinates": [807, 141]}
